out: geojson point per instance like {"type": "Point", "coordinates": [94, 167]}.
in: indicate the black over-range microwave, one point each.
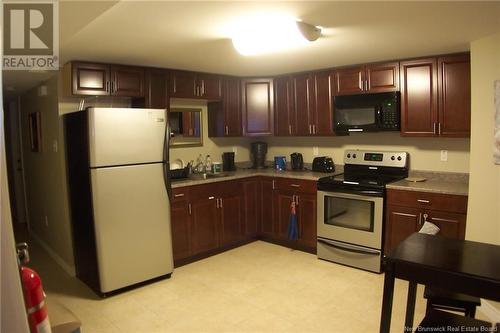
{"type": "Point", "coordinates": [366, 112]}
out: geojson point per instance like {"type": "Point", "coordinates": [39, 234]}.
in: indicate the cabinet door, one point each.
{"type": "Point", "coordinates": [382, 77]}
{"type": "Point", "coordinates": [231, 218]}
{"type": "Point", "coordinates": [307, 220]}
{"type": "Point", "coordinates": [454, 96]}
{"type": "Point", "coordinates": [303, 94]}
{"type": "Point", "coordinates": [350, 80]}
{"type": "Point", "coordinates": [282, 212]}
{"type": "Point", "coordinates": [127, 81]}
{"type": "Point", "coordinates": [204, 228]}
{"type": "Point", "coordinates": [283, 101]}
{"type": "Point", "coordinates": [210, 86]}
{"type": "Point", "coordinates": [323, 82]}
{"type": "Point", "coordinates": [156, 89]}
{"type": "Point", "coordinates": [419, 97]}
{"type": "Point", "coordinates": [400, 223]}
{"type": "Point", "coordinates": [251, 208]}
{"type": "Point", "coordinates": [183, 84]}
{"type": "Point", "coordinates": [450, 224]}
{"type": "Point", "coordinates": [257, 109]}
{"type": "Point", "coordinates": [181, 231]}
{"type": "Point", "coordinates": [90, 79]}
{"type": "Point", "coordinates": [232, 107]}
{"type": "Point", "coordinates": [267, 225]}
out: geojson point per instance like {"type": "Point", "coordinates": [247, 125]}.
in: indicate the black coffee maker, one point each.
{"type": "Point", "coordinates": [228, 161]}
{"type": "Point", "coordinates": [259, 151]}
{"type": "Point", "coordinates": [297, 161]}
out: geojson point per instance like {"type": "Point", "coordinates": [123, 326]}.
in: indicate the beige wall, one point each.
{"type": "Point", "coordinates": [483, 218]}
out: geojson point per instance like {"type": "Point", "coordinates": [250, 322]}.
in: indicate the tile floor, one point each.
{"type": "Point", "coordinates": [259, 287]}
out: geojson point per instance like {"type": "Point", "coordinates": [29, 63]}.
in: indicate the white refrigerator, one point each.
{"type": "Point", "coordinates": [127, 194]}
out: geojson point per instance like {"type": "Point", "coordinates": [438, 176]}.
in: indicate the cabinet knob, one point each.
{"type": "Point", "coordinates": [423, 201]}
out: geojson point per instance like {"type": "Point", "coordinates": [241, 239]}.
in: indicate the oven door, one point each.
{"type": "Point", "coordinates": [350, 218]}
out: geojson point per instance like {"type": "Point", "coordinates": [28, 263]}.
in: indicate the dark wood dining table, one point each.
{"type": "Point", "coordinates": [456, 265]}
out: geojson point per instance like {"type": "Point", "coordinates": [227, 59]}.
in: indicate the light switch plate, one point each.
{"type": "Point", "coordinates": [444, 155]}
{"type": "Point", "coordinates": [315, 151]}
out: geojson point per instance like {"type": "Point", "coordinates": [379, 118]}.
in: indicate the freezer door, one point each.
{"type": "Point", "coordinates": [132, 224]}
{"type": "Point", "coordinates": [120, 136]}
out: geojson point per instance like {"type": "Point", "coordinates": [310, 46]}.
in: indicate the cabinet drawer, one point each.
{"type": "Point", "coordinates": [296, 185]}
{"type": "Point", "coordinates": [204, 191]}
{"type": "Point", "coordinates": [180, 193]}
{"type": "Point", "coordinates": [426, 200]}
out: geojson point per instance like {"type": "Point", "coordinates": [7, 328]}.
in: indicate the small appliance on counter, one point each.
{"type": "Point", "coordinates": [228, 161]}
{"type": "Point", "coordinates": [297, 161]}
{"type": "Point", "coordinates": [280, 163]}
{"type": "Point", "coordinates": [259, 151]}
{"type": "Point", "coordinates": [323, 164]}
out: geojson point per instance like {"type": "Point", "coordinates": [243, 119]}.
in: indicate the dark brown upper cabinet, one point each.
{"type": "Point", "coordinates": [323, 87]}
{"type": "Point", "coordinates": [435, 96]}
{"type": "Point", "coordinates": [284, 119]}
{"type": "Point", "coordinates": [372, 78]}
{"type": "Point", "coordinates": [185, 84]}
{"type": "Point", "coordinates": [454, 94]}
{"type": "Point", "coordinates": [257, 107]}
{"type": "Point", "coordinates": [156, 96]}
{"type": "Point", "coordinates": [224, 117]}
{"type": "Point", "coordinates": [304, 104]}
{"type": "Point", "coordinates": [84, 78]}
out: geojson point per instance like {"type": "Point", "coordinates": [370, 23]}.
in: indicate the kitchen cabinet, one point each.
{"type": "Point", "coordinates": [408, 210]}
{"type": "Point", "coordinates": [224, 117]}
{"type": "Point", "coordinates": [180, 216]}
{"type": "Point", "coordinates": [251, 208]}
{"type": "Point", "coordinates": [257, 107]}
{"type": "Point", "coordinates": [156, 90]}
{"type": "Point", "coordinates": [304, 104]}
{"type": "Point", "coordinates": [372, 78]}
{"type": "Point", "coordinates": [83, 78]}
{"type": "Point", "coordinates": [267, 207]}
{"type": "Point", "coordinates": [323, 87]}
{"type": "Point", "coordinates": [204, 217]}
{"type": "Point", "coordinates": [184, 84]}
{"type": "Point", "coordinates": [284, 107]}
{"type": "Point", "coordinates": [230, 204]}
{"type": "Point", "coordinates": [435, 96]}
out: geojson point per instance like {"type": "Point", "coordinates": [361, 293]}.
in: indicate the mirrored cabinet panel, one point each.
{"type": "Point", "coordinates": [185, 127]}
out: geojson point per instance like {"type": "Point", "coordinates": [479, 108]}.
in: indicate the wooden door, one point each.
{"type": "Point", "coordinates": [210, 86]}
{"type": "Point", "coordinates": [303, 94]}
{"type": "Point", "coordinates": [90, 79]}
{"type": "Point", "coordinates": [183, 84]}
{"type": "Point", "coordinates": [251, 208]}
{"type": "Point", "coordinates": [400, 223]}
{"type": "Point", "coordinates": [350, 80]}
{"type": "Point", "coordinates": [232, 107]}
{"type": "Point", "coordinates": [419, 113]}
{"type": "Point", "coordinates": [156, 89]}
{"type": "Point", "coordinates": [451, 225]}
{"type": "Point", "coordinates": [181, 230]}
{"type": "Point", "coordinates": [127, 81]}
{"type": "Point", "coordinates": [204, 226]}
{"type": "Point", "coordinates": [323, 85]}
{"type": "Point", "coordinates": [454, 96]}
{"type": "Point", "coordinates": [257, 107]}
{"type": "Point", "coordinates": [231, 208]}
{"type": "Point", "coordinates": [382, 77]}
{"type": "Point", "coordinates": [284, 199]}
{"type": "Point", "coordinates": [307, 220]}
{"type": "Point", "coordinates": [283, 101]}
{"type": "Point", "coordinates": [267, 222]}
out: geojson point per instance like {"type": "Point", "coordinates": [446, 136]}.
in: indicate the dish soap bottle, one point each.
{"type": "Point", "coordinates": [208, 164]}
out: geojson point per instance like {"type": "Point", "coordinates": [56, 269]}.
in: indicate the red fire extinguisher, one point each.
{"type": "Point", "coordinates": [34, 297]}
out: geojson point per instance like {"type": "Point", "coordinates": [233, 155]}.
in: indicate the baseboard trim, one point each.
{"type": "Point", "coordinates": [67, 268]}
{"type": "Point", "coordinates": [489, 311]}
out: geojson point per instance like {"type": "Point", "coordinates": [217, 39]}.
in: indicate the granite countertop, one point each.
{"type": "Point", "coordinates": [436, 182]}
{"type": "Point", "coordinates": [245, 173]}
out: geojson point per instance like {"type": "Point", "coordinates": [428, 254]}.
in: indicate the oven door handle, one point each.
{"type": "Point", "coordinates": [350, 248]}
{"type": "Point", "coordinates": [370, 193]}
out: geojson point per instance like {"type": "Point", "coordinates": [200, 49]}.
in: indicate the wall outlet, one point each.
{"type": "Point", "coordinates": [444, 155]}
{"type": "Point", "coordinates": [315, 151]}
{"type": "Point", "coordinates": [46, 221]}
{"type": "Point", "coordinates": [235, 151]}
{"type": "Point", "coordinates": [55, 146]}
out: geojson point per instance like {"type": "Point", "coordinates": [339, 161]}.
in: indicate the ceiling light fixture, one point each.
{"type": "Point", "coordinates": [271, 33]}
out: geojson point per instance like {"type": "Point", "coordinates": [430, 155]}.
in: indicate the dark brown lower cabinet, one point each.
{"type": "Point", "coordinates": [267, 207]}
{"type": "Point", "coordinates": [251, 208]}
{"type": "Point", "coordinates": [306, 216]}
{"type": "Point", "coordinates": [283, 201]}
{"type": "Point", "coordinates": [181, 231]}
{"type": "Point", "coordinates": [204, 217]}
{"type": "Point", "coordinates": [231, 212]}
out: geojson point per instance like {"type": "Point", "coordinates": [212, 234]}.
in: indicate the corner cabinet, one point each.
{"type": "Point", "coordinates": [84, 78]}
{"type": "Point", "coordinates": [257, 107]}
{"type": "Point", "coordinates": [407, 211]}
{"type": "Point", "coordinates": [435, 96]}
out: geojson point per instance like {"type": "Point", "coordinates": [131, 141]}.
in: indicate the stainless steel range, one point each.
{"type": "Point", "coordinates": [351, 207]}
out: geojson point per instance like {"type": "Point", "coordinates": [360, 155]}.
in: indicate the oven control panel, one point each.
{"type": "Point", "coordinates": [396, 159]}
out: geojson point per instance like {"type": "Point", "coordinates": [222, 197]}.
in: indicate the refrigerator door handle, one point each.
{"type": "Point", "coordinates": [166, 158]}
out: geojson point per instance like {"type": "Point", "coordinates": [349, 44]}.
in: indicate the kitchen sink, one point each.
{"type": "Point", "coordinates": [208, 175]}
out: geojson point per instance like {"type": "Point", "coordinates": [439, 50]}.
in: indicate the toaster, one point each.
{"type": "Point", "coordinates": [323, 164]}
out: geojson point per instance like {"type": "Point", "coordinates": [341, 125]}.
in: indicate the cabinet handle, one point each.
{"type": "Point", "coordinates": [439, 128]}
{"type": "Point", "coordinates": [294, 185]}
{"type": "Point", "coordinates": [310, 129]}
{"type": "Point", "coordinates": [189, 208]}
{"type": "Point", "coordinates": [195, 88]}
{"type": "Point", "coordinates": [423, 201]}
{"type": "Point", "coordinates": [217, 203]}
{"type": "Point", "coordinates": [202, 87]}
{"type": "Point", "coordinates": [211, 198]}
{"type": "Point", "coordinates": [178, 195]}
{"type": "Point", "coordinates": [220, 203]}
{"type": "Point", "coordinates": [293, 198]}
{"type": "Point", "coordinates": [425, 217]}
{"type": "Point", "coordinates": [420, 219]}
{"type": "Point", "coordinates": [314, 129]}
{"type": "Point", "coordinates": [290, 129]}
{"type": "Point", "coordinates": [175, 85]}
{"type": "Point", "coordinates": [273, 185]}
{"type": "Point", "coordinates": [107, 86]}
{"type": "Point", "coordinates": [112, 90]}
{"type": "Point", "coordinates": [227, 130]}
{"type": "Point", "coordinates": [434, 128]}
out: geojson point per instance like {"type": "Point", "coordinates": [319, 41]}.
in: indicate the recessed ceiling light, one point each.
{"type": "Point", "coordinates": [271, 33]}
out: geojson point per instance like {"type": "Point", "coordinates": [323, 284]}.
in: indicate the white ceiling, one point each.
{"type": "Point", "coordinates": [195, 35]}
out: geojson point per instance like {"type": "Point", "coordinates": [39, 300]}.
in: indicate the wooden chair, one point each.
{"type": "Point", "coordinates": [442, 321]}
{"type": "Point", "coordinates": [445, 300]}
